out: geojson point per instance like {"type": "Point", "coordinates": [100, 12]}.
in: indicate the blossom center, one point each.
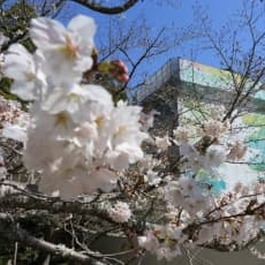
{"type": "Point", "coordinates": [62, 119]}
{"type": "Point", "coordinates": [99, 121]}
{"type": "Point", "coordinates": [70, 49]}
{"type": "Point", "coordinates": [121, 130]}
{"type": "Point", "coordinates": [30, 77]}
{"type": "Point", "coordinates": [73, 97]}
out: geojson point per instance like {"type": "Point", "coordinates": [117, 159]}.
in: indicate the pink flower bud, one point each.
{"type": "Point", "coordinates": [123, 78]}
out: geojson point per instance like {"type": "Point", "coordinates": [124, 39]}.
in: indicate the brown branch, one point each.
{"type": "Point", "coordinates": [140, 59]}
{"type": "Point", "coordinates": [11, 231]}
{"type": "Point", "coordinates": [107, 10]}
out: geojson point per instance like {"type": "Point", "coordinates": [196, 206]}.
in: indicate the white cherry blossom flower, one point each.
{"type": "Point", "coordinates": [13, 120]}
{"type": "Point", "coordinates": [147, 120]}
{"type": "Point", "coordinates": [152, 178]}
{"type": "Point", "coordinates": [120, 212]}
{"type": "Point", "coordinates": [215, 155]}
{"type": "Point", "coordinates": [149, 241]}
{"type": "Point", "coordinates": [162, 143]}
{"type": "Point", "coordinates": [237, 151]}
{"type": "Point", "coordinates": [125, 136]}
{"type": "Point", "coordinates": [3, 39]}
{"type": "Point", "coordinates": [15, 132]}
{"type": "Point", "coordinates": [67, 50]}
{"type": "Point", "coordinates": [181, 135]}
{"type": "Point", "coordinates": [188, 194]}
{"type": "Point", "coordinates": [214, 128]}
{"type": "Point", "coordinates": [77, 180]}
{"type": "Point", "coordinates": [23, 68]}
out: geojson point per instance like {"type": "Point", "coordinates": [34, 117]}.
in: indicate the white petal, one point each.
{"type": "Point", "coordinates": [3, 38]}
{"type": "Point", "coordinates": [83, 64]}
{"type": "Point", "coordinates": [18, 63]}
{"type": "Point", "coordinates": [15, 132]}
{"type": "Point", "coordinates": [83, 26]}
{"type": "Point", "coordinates": [45, 31]}
{"type": "Point", "coordinates": [24, 90]}
{"type": "Point", "coordinates": [99, 94]}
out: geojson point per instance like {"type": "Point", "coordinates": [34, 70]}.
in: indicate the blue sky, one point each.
{"type": "Point", "coordinates": [173, 18]}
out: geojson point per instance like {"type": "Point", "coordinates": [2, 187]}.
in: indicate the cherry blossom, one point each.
{"type": "Point", "coordinates": [76, 137]}
{"type": "Point", "coordinates": [120, 212]}
{"type": "Point", "coordinates": [81, 143]}
{"type": "Point", "coordinates": [66, 50]}
{"type": "Point", "coordinates": [22, 67]}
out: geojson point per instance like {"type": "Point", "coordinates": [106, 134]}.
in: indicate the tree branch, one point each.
{"type": "Point", "coordinates": [142, 57]}
{"type": "Point", "coordinates": [12, 232]}
{"type": "Point", "coordinates": [107, 10]}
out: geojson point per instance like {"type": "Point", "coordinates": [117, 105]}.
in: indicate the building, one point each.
{"type": "Point", "coordinates": [181, 83]}
{"type": "Point", "coordinates": [184, 80]}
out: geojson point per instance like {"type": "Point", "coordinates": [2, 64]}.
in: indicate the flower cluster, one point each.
{"type": "Point", "coordinates": [76, 138]}
{"type": "Point", "coordinates": [80, 141]}
{"type": "Point", "coordinates": [163, 241]}
{"type": "Point", "coordinates": [120, 212]}
{"type": "Point", "coordinates": [188, 194]}
{"type": "Point", "coordinates": [196, 217]}
{"type": "Point", "coordinates": [212, 143]}
{"type": "Point", "coordinates": [208, 201]}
